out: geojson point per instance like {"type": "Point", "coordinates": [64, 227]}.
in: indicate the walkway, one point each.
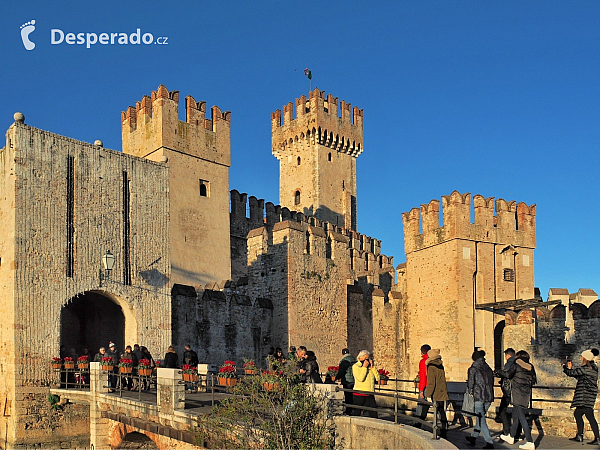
{"type": "Point", "coordinates": [200, 403]}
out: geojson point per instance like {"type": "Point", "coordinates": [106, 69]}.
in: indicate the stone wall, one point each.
{"type": "Point", "coordinates": [198, 154]}
{"type": "Point", "coordinates": [542, 332]}
{"type": "Point", "coordinates": [454, 265]}
{"type": "Point", "coordinates": [222, 325]}
{"type": "Point", "coordinates": [36, 276]}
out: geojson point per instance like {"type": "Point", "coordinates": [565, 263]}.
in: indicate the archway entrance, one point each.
{"type": "Point", "coordinates": [137, 440]}
{"type": "Point", "coordinates": [90, 321]}
{"type": "Point", "coordinates": [499, 344]}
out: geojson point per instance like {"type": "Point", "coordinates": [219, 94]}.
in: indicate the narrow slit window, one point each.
{"type": "Point", "coordinates": [307, 243]}
{"type": "Point", "coordinates": [297, 198]}
{"type": "Point", "coordinates": [204, 188]}
{"type": "Point", "coordinates": [70, 216]}
{"type": "Point", "coordinates": [126, 232]}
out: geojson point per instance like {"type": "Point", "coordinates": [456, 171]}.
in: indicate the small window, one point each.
{"type": "Point", "coordinates": [329, 157]}
{"type": "Point", "coordinates": [509, 275]}
{"type": "Point", "coordinates": [343, 185]}
{"type": "Point", "coordinates": [298, 160]}
{"type": "Point", "coordinates": [204, 188]}
{"type": "Point", "coordinates": [297, 198]}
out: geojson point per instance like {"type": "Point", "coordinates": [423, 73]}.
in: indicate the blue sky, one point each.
{"type": "Point", "coordinates": [492, 98]}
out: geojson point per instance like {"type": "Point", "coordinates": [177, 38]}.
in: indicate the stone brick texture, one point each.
{"type": "Point", "coordinates": [34, 282]}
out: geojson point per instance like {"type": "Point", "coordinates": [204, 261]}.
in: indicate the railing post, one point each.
{"type": "Point", "coordinates": [435, 424]}
{"type": "Point", "coordinates": [170, 394]}
{"type": "Point", "coordinates": [98, 425]}
{"type": "Point", "coordinates": [396, 407]}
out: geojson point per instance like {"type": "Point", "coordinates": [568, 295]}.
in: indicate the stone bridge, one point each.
{"type": "Point", "coordinates": [168, 417]}
{"type": "Point", "coordinates": [162, 417]}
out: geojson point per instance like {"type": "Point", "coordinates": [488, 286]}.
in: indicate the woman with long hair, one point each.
{"type": "Point", "coordinates": [522, 378]}
{"type": "Point", "coordinates": [585, 394]}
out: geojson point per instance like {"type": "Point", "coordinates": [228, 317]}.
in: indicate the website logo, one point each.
{"type": "Point", "coordinates": [58, 36]}
{"type": "Point", "coordinates": [26, 30]}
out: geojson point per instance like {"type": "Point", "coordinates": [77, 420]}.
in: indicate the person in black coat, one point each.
{"type": "Point", "coordinates": [585, 394]}
{"type": "Point", "coordinates": [312, 368]}
{"type": "Point", "coordinates": [480, 383]}
{"type": "Point", "coordinates": [171, 360]}
{"type": "Point", "coordinates": [503, 415]}
{"type": "Point", "coordinates": [522, 377]}
{"type": "Point", "coordinates": [190, 356]}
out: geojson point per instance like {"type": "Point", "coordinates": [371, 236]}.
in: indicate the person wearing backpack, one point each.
{"type": "Point", "coordinates": [344, 374]}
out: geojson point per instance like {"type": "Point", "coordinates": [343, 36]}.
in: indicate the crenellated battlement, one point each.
{"type": "Point", "coordinates": [153, 123]}
{"type": "Point", "coordinates": [320, 119]}
{"type": "Point", "coordinates": [512, 222]}
{"type": "Point", "coordinates": [364, 251]}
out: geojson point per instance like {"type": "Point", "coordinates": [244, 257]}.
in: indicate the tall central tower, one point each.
{"type": "Point", "coordinates": [317, 152]}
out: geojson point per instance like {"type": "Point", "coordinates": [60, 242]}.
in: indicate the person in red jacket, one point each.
{"type": "Point", "coordinates": [422, 410]}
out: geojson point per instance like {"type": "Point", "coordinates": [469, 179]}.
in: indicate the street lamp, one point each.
{"type": "Point", "coordinates": [108, 261]}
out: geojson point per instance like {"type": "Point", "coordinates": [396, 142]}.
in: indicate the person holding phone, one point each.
{"type": "Point", "coordinates": [365, 376]}
{"type": "Point", "coordinates": [585, 393]}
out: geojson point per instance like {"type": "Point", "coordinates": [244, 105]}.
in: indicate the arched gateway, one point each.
{"type": "Point", "coordinates": [90, 320]}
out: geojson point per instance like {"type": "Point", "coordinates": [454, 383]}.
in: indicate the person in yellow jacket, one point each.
{"type": "Point", "coordinates": [365, 376]}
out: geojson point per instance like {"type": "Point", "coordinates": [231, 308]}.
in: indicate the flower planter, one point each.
{"type": "Point", "coordinates": [69, 365]}
{"type": "Point", "coordinates": [145, 372]}
{"type": "Point", "coordinates": [227, 381]}
{"type": "Point", "coordinates": [383, 382]}
{"type": "Point", "coordinates": [250, 371]}
{"type": "Point", "coordinates": [83, 365]}
{"type": "Point", "coordinates": [125, 369]}
{"type": "Point", "coordinates": [108, 367]}
{"type": "Point", "coordinates": [56, 365]}
{"type": "Point", "coordinates": [271, 386]}
{"type": "Point", "coordinates": [192, 377]}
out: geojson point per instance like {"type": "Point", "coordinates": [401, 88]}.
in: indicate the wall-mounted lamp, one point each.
{"type": "Point", "coordinates": [108, 261]}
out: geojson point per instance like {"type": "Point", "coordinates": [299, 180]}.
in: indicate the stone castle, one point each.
{"type": "Point", "coordinates": [193, 267]}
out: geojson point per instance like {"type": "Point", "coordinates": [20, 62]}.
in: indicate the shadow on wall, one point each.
{"type": "Point", "coordinates": [154, 278]}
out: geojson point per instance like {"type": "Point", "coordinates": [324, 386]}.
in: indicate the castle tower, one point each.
{"type": "Point", "coordinates": [456, 266]}
{"type": "Point", "coordinates": [197, 151]}
{"type": "Point", "coordinates": [317, 152]}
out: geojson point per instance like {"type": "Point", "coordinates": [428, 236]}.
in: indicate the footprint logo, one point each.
{"type": "Point", "coordinates": [26, 30]}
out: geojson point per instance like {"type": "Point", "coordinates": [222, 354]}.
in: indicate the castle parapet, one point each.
{"type": "Point", "coordinates": [513, 222]}
{"type": "Point", "coordinates": [154, 124]}
{"type": "Point", "coordinates": [365, 251]}
{"type": "Point", "coordinates": [318, 120]}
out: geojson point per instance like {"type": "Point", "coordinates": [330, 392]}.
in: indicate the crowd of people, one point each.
{"type": "Point", "coordinates": [135, 354]}
{"type": "Point", "coordinates": [359, 375]}
{"type": "Point", "coordinates": [517, 378]}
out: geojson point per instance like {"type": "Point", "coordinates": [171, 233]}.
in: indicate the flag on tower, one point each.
{"type": "Point", "coordinates": [308, 73]}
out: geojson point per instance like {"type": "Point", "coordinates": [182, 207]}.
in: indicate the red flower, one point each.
{"type": "Point", "coordinates": [107, 360]}
{"type": "Point", "coordinates": [56, 360]}
{"type": "Point", "coordinates": [383, 373]}
{"type": "Point", "coordinates": [68, 359]}
{"type": "Point", "coordinates": [82, 359]}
